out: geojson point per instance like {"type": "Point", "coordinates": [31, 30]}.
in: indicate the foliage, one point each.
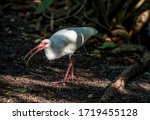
{"type": "Point", "coordinates": [38, 40]}
{"type": "Point", "coordinates": [43, 6]}
{"type": "Point", "coordinates": [112, 13]}
{"type": "Point", "coordinates": [108, 16]}
{"type": "Point", "coordinates": [107, 45]}
{"type": "Point", "coordinates": [108, 13]}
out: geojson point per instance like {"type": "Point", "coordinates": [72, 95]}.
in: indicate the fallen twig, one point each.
{"type": "Point", "coordinates": [32, 73]}
{"type": "Point", "coordinates": [5, 6]}
{"type": "Point", "coordinates": [22, 7]}
{"type": "Point", "coordinates": [128, 48]}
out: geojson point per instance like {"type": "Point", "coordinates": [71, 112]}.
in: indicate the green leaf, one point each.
{"type": "Point", "coordinates": [43, 6]}
{"type": "Point", "coordinates": [38, 40]}
{"type": "Point", "coordinates": [20, 90]}
{"type": "Point", "coordinates": [107, 45]}
{"type": "Point", "coordinates": [25, 34]}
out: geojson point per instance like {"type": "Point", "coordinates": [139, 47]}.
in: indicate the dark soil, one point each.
{"type": "Point", "coordinates": [33, 83]}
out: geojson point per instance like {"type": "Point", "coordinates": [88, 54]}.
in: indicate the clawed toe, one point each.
{"type": "Point", "coordinates": [65, 80]}
{"type": "Point", "coordinates": [72, 78]}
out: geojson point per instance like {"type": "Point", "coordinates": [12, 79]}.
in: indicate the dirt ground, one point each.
{"type": "Point", "coordinates": [33, 83]}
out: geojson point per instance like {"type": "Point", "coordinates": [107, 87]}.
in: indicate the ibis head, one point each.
{"type": "Point", "coordinates": [43, 45]}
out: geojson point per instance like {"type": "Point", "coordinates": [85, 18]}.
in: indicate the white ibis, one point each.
{"type": "Point", "coordinates": [64, 42]}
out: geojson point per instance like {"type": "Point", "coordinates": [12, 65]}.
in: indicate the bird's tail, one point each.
{"type": "Point", "coordinates": [94, 31]}
{"type": "Point", "coordinates": [91, 31]}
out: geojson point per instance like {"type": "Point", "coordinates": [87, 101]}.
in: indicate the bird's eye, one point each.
{"type": "Point", "coordinates": [45, 43]}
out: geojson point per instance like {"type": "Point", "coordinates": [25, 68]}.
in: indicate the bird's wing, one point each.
{"type": "Point", "coordinates": [83, 34]}
{"type": "Point", "coordinates": [78, 35]}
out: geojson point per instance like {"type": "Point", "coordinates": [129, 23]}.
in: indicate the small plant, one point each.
{"type": "Point", "coordinates": [20, 90]}
{"type": "Point", "coordinates": [107, 45]}
{"type": "Point", "coordinates": [43, 6]}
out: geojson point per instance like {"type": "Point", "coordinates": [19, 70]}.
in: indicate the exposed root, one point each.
{"type": "Point", "coordinates": [119, 84]}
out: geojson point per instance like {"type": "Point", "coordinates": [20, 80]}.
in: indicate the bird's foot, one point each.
{"type": "Point", "coordinates": [65, 80]}
{"type": "Point", "coordinates": [72, 77]}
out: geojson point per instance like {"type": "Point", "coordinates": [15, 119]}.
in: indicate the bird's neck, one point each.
{"type": "Point", "coordinates": [50, 54]}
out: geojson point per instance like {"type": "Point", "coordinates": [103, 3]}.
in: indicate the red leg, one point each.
{"type": "Point", "coordinates": [68, 69]}
{"type": "Point", "coordinates": [73, 70]}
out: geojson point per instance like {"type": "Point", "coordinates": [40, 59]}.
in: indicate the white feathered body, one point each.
{"type": "Point", "coordinates": [66, 41]}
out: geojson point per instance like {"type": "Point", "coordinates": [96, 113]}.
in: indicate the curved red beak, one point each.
{"type": "Point", "coordinates": [33, 51]}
